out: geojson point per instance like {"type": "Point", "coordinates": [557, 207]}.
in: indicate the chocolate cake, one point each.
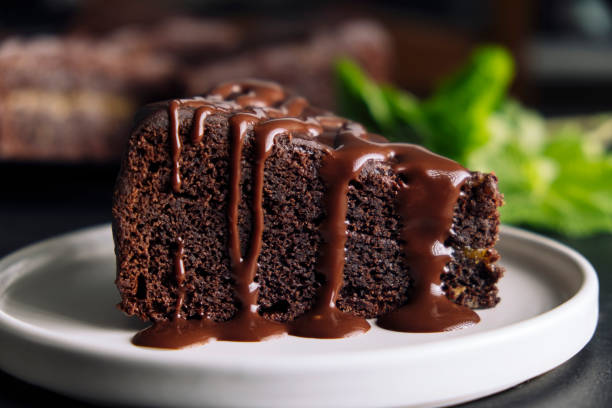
{"type": "Point", "coordinates": [247, 213]}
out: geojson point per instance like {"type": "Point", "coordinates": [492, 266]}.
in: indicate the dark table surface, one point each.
{"type": "Point", "coordinates": [38, 202]}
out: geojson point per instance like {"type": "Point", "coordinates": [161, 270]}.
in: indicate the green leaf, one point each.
{"type": "Point", "coordinates": [360, 99]}
{"type": "Point", "coordinates": [457, 113]}
{"type": "Point", "coordinates": [407, 115]}
{"type": "Point", "coordinates": [561, 181]}
{"type": "Point", "coordinates": [554, 176]}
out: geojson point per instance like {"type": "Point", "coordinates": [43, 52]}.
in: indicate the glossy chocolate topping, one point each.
{"type": "Point", "coordinates": [429, 188]}
{"type": "Point", "coordinates": [179, 273]}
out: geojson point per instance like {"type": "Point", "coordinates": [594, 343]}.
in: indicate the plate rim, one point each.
{"type": "Point", "coordinates": [223, 382]}
{"type": "Point", "coordinates": [588, 289]}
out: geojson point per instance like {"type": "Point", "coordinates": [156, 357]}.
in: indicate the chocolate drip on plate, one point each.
{"type": "Point", "coordinates": [429, 189]}
{"type": "Point", "coordinates": [325, 320]}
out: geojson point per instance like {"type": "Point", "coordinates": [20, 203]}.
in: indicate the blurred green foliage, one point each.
{"type": "Point", "coordinates": [553, 177]}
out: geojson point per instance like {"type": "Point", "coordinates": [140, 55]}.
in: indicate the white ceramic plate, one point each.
{"type": "Point", "coordinates": [59, 329]}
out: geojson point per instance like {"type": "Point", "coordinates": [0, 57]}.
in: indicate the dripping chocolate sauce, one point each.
{"type": "Point", "coordinates": [179, 274]}
{"type": "Point", "coordinates": [429, 188]}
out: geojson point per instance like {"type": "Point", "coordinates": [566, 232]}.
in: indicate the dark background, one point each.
{"type": "Point", "coordinates": [564, 56]}
{"type": "Point", "coordinates": [563, 47]}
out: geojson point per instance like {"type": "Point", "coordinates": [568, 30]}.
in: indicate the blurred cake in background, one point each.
{"type": "Point", "coordinates": [304, 66]}
{"type": "Point", "coordinates": [71, 98]}
{"type": "Point", "coordinates": [184, 39]}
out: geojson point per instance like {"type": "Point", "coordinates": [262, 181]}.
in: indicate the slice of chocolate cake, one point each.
{"type": "Point", "coordinates": [247, 213]}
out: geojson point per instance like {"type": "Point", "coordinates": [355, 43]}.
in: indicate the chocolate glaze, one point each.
{"type": "Point", "coordinates": [179, 273]}
{"type": "Point", "coordinates": [429, 191]}
{"type": "Point", "coordinates": [429, 188]}
{"type": "Point", "coordinates": [251, 92]}
{"type": "Point", "coordinates": [177, 145]}
{"type": "Point", "coordinates": [205, 107]}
